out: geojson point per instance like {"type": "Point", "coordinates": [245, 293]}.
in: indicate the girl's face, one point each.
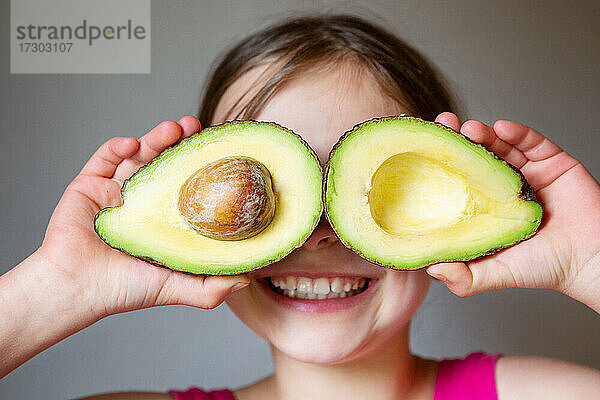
{"type": "Point", "coordinates": [321, 107]}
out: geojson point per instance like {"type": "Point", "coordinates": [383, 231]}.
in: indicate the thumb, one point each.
{"type": "Point", "coordinates": [200, 290]}
{"type": "Point", "coordinates": [472, 278]}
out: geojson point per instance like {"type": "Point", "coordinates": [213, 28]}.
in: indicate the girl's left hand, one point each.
{"type": "Point", "coordinates": [565, 253]}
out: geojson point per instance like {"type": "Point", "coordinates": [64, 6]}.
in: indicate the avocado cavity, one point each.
{"type": "Point", "coordinates": [412, 194]}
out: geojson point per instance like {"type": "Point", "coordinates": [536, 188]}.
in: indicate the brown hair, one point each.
{"type": "Point", "coordinates": [302, 43]}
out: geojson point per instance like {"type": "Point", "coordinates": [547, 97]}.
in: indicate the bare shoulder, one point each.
{"type": "Point", "coordinates": [130, 396]}
{"type": "Point", "coordinates": [545, 378]}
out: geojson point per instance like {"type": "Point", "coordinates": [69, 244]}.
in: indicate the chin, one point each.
{"type": "Point", "coordinates": [319, 347]}
{"type": "Point", "coordinates": [316, 339]}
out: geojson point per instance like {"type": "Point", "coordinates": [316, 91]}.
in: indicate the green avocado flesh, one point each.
{"type": "Point", "coordinates": [407, 193]}
{"type": "Point", "coordinates": [149, 226]}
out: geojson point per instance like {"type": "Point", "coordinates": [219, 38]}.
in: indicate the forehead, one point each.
{"type": "Point", "coordinates": [320, 105]}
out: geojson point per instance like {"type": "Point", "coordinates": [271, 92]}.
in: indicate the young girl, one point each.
{"type": "Point", "coordinates": [319, 76]}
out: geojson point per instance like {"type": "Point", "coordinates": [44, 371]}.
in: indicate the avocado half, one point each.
{"type": "Point", "coordinates": [407, 193]}
{"type": "Point", "coordinates": [149, 226]}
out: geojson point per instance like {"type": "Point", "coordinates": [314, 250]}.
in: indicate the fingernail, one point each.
{"type": "Point", "coordinates": [239, 286]}
{"type": "Point", "coordinates": [437, 275]}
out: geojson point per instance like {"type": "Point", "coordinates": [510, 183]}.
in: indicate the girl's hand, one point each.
{"type": "Point", "coordinates": [565, 253]}
{"type": "Point", "coordinates": [110, 280]}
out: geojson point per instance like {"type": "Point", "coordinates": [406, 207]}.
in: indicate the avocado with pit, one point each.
{"type": "Point", "coordinates": [227, 200]}
{"type": "Point", "coordinates": [407, 193]}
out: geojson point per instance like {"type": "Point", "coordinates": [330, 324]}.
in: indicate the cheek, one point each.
{"type": "Point", "coordinates": [244, 305]}
{"type": "Point", "coordinates": [403, 292]}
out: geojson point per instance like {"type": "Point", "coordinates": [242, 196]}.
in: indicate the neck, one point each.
{"type": "Point", "coordinates": [387, 371]}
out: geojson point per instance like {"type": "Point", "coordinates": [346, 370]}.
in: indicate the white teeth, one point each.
{"type": "Point", "coordinates": [320, 288]}
{"type": "Point", "coordinates": [337, 285]}
{"type": "Point", "coordinates": [304, 285]}
{"type": "Point", "coordinates": [290, 282]}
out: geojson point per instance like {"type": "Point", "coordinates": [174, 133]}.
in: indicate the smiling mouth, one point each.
{"type": "Point", "coordinates": [319, 288]}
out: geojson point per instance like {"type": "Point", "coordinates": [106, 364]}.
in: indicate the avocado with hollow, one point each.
{"type": "Point", "coordinates": [229, 199]}
{"type": "Point", "coordinates": [407, 193]}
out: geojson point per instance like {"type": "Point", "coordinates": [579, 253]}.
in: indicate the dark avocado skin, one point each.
{"type": "Point", "coordinates": [527, 192]}
{"type": "Point", "coordinates": [251, 122]}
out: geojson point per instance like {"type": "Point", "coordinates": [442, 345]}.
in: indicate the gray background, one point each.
{"type": "Point", "coordinates": [535, 62]}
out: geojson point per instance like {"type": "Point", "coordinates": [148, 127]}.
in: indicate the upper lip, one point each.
{"type": "Point", "coordinates": [311, 275]}
{"type": "Point", "coordinates": [327, 263]}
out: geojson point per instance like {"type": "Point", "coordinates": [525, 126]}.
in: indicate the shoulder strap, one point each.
{"type": "Point", "coordinates": [470, 378]}
{"type": "Point", "coordinates": [195, 393]}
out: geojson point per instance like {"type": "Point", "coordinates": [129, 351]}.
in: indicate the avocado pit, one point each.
{"type": "Point", "coordinates": [228, 199]}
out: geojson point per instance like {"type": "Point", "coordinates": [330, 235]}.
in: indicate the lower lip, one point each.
{"type": "Point", "coordinates": [318, 305]}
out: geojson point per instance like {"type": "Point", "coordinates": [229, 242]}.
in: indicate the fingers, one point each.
{"type": "Point", "coordinates": [473, 278]}
{"type": "Point", "coordinates": [158, 139]}
{"type": "Point", "coordinates": [164, 135]}
{"type": "Point", "coordinates": [200, 291]}
{"type": "Point", "coordinates": [531, 143]}
{"type": "Point", "coordinates": [545, 161]}
{"type": "Point", "coordinates": [450, 120]}
{"type": "Point", "coordinates": [190, 125]}
{"type": "Point", "coordinates": [486, 136]}
{"type": "Point", "coordinates": [107, 158]}
{"type": "Point", "coordinates": [456, 276]}
{"type": "Point", "coordinates": [94, 192]}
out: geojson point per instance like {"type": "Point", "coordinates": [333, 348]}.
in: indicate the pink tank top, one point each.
{"type": "Point", "coordinates": [469, 378]}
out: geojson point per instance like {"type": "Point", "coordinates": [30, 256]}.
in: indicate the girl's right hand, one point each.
{"type": "Point", "coordinates": [112, 281]}
{"type": "Point", "coordinates": [565, 253]}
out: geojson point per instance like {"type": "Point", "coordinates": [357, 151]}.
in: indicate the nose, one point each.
{"type": "Point", "coordinates": [322, 237]}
